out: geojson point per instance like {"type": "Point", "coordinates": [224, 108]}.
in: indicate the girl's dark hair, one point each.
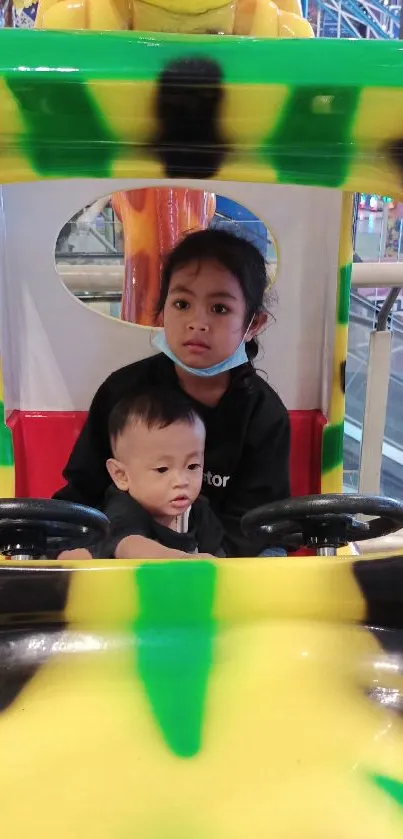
{"type": "Point", "coordinates": [235, 254]}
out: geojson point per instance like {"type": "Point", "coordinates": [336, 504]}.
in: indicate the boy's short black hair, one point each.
{"type": "Point", "coordinates": [156, 407]}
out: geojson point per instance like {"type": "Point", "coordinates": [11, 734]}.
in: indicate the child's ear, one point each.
{"type": "Point", "coordinates": [259, 323]}
{"type": "Point", "coordinates": [118, 473]}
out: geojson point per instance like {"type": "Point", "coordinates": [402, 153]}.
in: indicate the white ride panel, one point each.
{"type": "Point", "coordinates": [56, 351]}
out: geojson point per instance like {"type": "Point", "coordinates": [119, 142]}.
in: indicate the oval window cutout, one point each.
{"type": "Point", "coordinates": [109, 255]}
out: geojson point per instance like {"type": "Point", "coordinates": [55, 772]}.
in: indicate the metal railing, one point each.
{"type": "Point", "coordinates": [357, 19]}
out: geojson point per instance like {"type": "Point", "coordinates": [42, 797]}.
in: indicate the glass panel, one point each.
{"type": "Point", "coordinates": [379, 237]}
{"type": "Point", "coordinates": [392, 460]}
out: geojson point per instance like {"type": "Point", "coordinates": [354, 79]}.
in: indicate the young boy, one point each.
{"type": "Point", "coordinates": [157, 442]}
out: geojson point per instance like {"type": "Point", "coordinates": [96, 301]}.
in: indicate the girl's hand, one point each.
{"type": "Point", "coordinates": [78, 553]}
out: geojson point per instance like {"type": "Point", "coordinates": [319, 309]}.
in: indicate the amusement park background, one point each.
{"type": "Point", "coordinates": [94, 237]}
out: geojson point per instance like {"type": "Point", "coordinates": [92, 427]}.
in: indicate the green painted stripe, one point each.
{"type": "Point", "coordinates": [392, 787]}
{"type": "Point", "coordinates": [175, 633]}
{"type": "Point", "coordinates": [66, 135]}
{"type": "Point", "coordinates": [312, 136]}
{"type": "Point", "coordinates": [129, 55]}
{"type": "Point", "coordinates": [343, 301]}
{"type": "Point", "coordinates": [6, 441]}
{"type": "Point", "coordinates": [332, 449]}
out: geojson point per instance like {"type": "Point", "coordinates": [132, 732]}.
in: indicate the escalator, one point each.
{"type": "Point", "coordinates": [363, 316]}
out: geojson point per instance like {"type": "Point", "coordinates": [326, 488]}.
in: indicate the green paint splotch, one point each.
{"type": "Point", "coordinates": [6, 440]}
{"type": "Point", "coordinates": [332, 446]}
{"type": "Point", "coordinates": [311, 142]}
{"type": "Point", "coordinates": [343, 298]}
{"type": "Point", "coordinates": [175, 633]}
{"type": "Point", "coordinates": [66, 135]}
{"type": "Point", "coordinates": [391, 786]}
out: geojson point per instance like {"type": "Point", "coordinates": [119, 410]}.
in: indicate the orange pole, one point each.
{"type": "Point", "coordinates": [153, 220]}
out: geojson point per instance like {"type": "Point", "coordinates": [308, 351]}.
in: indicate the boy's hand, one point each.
{"type": "Point", "coordinates": [77, 553]}
{"type": "Point", "coordinates": [139, 547]}
{"type": "Point", "coordinates": [82, 553]}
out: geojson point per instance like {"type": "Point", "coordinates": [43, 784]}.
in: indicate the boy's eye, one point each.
{"type": "Point", "coordinates": [220, 309]}
{"type": "Point", "coordinates": [181, 304]}
{"type": "Point", "coordinates": [161, 469]}
{"type": "Point", "coordinates": [194, 466]}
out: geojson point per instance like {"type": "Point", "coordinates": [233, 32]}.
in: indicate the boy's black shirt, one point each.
{"type": "Point", "coordinates": [127, 518]}
{"type": "Point", "coordinates": [247, 446]}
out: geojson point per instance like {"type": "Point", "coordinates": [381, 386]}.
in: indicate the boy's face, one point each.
{"type": "Point", "coordinates": [162, 468]}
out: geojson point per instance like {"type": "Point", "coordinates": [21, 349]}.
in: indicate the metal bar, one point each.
{"type": "Point", "coordinates": [376, 401]}
{"type": "Point", "coordinates": [387, 307]}
{"type": "Point", "coordinates": [339, 20]}
{"type": "Point", "coordinates": [87, 278]}
{"type": "Point", "coordinates": [377, 274]}
{"type": "Point", "coordinates": [318, 20]}
{"type": "Point", "coordinates": [99, 296]}
{"type": "Point", "coordinates": [384, 230]}
{"type": "Point", "coordinates": [364, 274]}
{"type": "Point", "coordinates": [399, 247]}
{"type": "Point", "coordinates": [73, 257]}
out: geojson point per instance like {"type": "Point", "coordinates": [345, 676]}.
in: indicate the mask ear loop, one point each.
{"type": "Point", "coordinates": [244, 341]}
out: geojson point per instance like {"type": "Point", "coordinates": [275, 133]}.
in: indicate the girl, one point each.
{"type": "Point", "coordinates": [212, 300]}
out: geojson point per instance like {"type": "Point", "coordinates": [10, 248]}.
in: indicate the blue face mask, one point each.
{"type": "Point", "coordinates": [237, 358]}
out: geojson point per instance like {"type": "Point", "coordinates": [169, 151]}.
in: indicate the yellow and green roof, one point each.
{"type": "Point", "coordinates": [313, 112]}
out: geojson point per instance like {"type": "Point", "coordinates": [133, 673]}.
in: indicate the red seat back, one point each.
{"type": "Point", "coordinates": [43, 442]}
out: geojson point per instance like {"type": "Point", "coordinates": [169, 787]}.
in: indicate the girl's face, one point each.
{"type": "Point", "coordinates": [204, 314]}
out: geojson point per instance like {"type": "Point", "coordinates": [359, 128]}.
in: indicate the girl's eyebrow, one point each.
{"type": "Point", "coordinates": [221, 294]}
{"type": "Point", "coordinates": [177, 288]}
{"type": "Point", "coordinates": [180, 289]}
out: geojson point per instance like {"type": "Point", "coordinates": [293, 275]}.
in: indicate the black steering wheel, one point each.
{"type": "Point", "coordinates": [32, 528]}
{"type": "Point", "coordinates": [324, 521]}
